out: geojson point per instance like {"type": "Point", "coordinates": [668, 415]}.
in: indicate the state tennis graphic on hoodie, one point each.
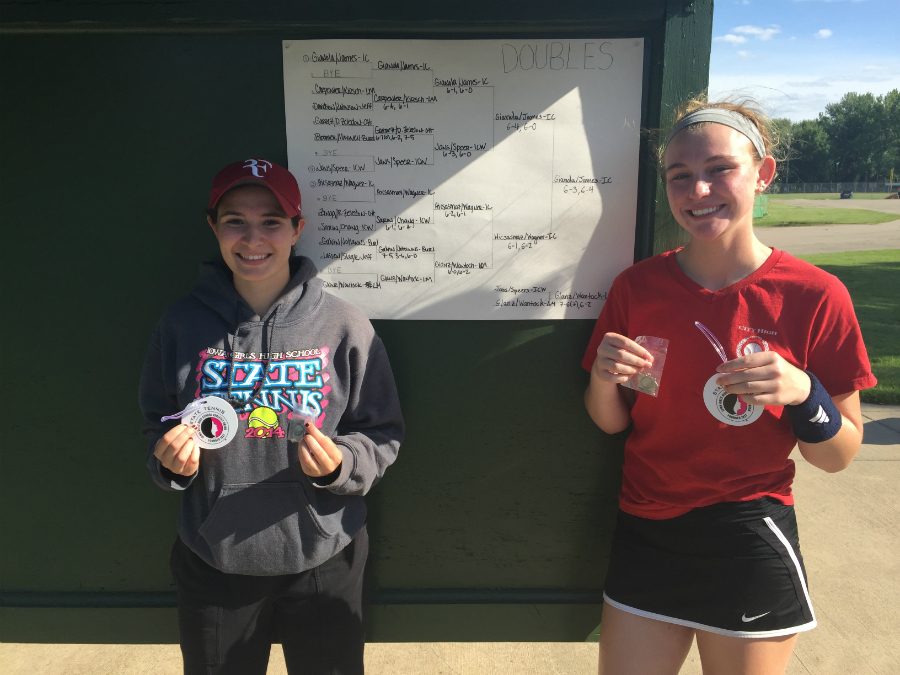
{"type": "Point", "coordinates": [272, 385]}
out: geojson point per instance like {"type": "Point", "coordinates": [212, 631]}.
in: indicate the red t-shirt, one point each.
{"type": "Point", "coordinates": [693, 445]}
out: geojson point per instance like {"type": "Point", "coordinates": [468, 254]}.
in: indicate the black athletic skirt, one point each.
{"type": "Point", "coordinates": [733, 569]}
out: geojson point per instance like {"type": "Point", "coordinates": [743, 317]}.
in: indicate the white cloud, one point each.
{"type": "Point", "coordinates": [823, 33]}
{"type": "Point", "coordinates": [759, 32]}
{"type": "Point", "coordinates": [798, 88]}
{"type": "Point", "coordinates": [744, 54]}
{"type": "Point", "coordinates": [731, 39]}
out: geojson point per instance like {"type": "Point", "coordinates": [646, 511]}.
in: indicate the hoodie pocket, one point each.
{"type": "Point", "coordinates": [265, 529]}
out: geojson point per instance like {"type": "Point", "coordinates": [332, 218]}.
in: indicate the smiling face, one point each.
{"type": "Point", "coordinates": [256, 238]}
{"type": "Point", "coordinates": [712, 176]}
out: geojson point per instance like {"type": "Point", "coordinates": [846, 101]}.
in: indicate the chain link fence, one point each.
{"type": "Point", "coordinates": [874, 186]}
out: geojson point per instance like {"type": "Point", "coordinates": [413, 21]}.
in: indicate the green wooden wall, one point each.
{"type": "Point", "coordinates": [495, 521]}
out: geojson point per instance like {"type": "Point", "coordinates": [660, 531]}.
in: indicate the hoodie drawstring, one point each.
{"type": "Point", "coordinates": [268, 337]}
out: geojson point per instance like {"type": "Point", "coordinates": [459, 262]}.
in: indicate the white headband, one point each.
{"type": "Point", "coordinates": [722, 116]}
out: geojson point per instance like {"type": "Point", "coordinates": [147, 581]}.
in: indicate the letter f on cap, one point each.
{"type": "Point", "coordinates": [257, 165]}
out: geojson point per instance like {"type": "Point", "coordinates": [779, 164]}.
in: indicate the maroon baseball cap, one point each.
{"type": "Point", "coordinates": [262, 172]}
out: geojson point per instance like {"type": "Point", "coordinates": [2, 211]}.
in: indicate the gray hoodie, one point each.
{"type": "Point", "coordinates": [250, 509]}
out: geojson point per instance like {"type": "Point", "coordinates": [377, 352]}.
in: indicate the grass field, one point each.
{"type": "Point", "coordinates": [827, 195]}
{"type": "Point", "coordinates": [782, 215]}
{"type": "Point", "coordinates": [873, 278]}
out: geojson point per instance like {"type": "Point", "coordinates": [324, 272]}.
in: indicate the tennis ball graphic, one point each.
{"type": "Point", "coordinates": [263, 417]}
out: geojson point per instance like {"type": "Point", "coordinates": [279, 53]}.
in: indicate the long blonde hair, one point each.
{"type": "Point", "coordinates": [747, 107]}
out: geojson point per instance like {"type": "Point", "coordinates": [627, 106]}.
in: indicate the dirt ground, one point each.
{"type": "Point", "coordinates": [883, 205]}
{"type": "Point", "coordinates": [809, 239]}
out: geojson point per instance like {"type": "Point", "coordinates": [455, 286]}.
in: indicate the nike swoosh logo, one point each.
{"type": "Point", "coordinates": [748, 619]}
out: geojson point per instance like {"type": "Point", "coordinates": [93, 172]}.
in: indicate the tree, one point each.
{"type": "Point", "coordinates": [784, 134]}
{"type": "Point", "coordinates": [856, 139]}
{"type": "Point", "coordinates": [855, 132]}
{"type": "Point", "coordinates": [890, 158]}
{"type": "Point", "coordinates": [803, 151]}
{"type": "Point", "coordinates": [812, 162]}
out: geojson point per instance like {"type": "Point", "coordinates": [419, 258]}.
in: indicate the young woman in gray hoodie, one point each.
{"type": "Point", "coordinates": [270, 406]}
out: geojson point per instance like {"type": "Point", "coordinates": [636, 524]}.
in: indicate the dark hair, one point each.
{"type": "Point", "coordinates": [214, 217]}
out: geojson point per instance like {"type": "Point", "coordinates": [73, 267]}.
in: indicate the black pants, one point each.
{"type": "Point", "coordinates": [228, 622]}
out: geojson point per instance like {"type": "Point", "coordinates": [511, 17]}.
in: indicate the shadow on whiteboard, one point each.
{"type": "Point", "coordinates": [473, 179]}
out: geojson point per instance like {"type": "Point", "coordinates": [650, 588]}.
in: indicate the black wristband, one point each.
{"type": "Point", "coordinates": [816, 419]}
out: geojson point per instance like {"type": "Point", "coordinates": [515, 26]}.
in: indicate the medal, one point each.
{"type": "Point", "coordinates": [647, 383]}
{"type": "Point", "coordinates": [647, 380]}
{"type": "Point", "coordinates": [729, 408]}
{"type": "Point", "coordinates": [213, 420]}
{"type": "Point", "coordinates": [297, 424]}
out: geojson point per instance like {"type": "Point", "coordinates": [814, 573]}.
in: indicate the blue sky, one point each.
{"type": "Point", "coordinates": [796, 56]}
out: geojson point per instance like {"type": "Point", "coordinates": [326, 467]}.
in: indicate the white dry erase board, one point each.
{"type": "Point", "coordinates": [466, 179]}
